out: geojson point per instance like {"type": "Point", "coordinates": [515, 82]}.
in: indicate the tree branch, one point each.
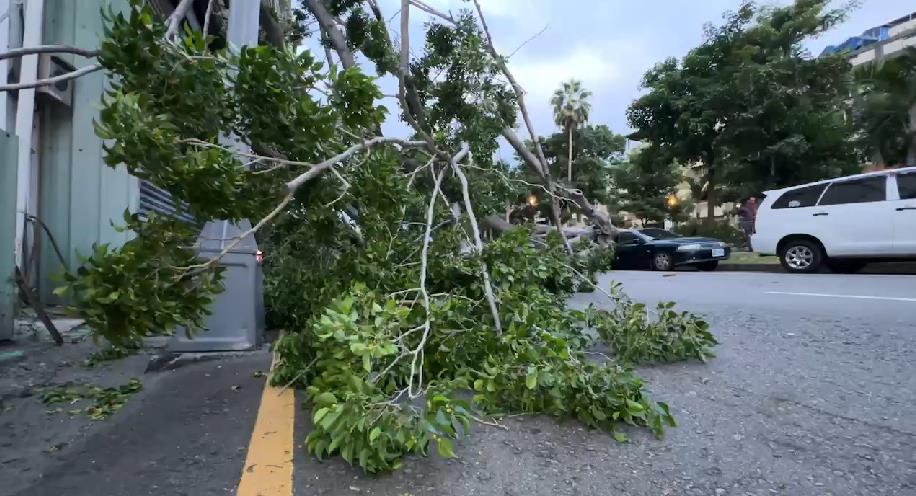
{"type": "Point", "coordinates": [429, 10]}
{"type": "Point", "coordinates": [198, 268]}
{"type": "Point", "coordinates": [529, 40]}
{"type": "Point", "coordinates": [329, 27]}
{"type": "Point", "coordinates": [519, 92]}
{"type": "Point", "coordinates": [174, 20]}
{"type": "Point", "coordinates": [19, 52]}
{"type": "Point", "coordinates": [540, 164]}
{"type": "Point", "coordinates": [207, 17]}
{"type": "Point", "coordinates": [424, 264]}
{"type": "Point", "coordinates": [485, 273]}
{"type": "Point", "coordinates": [49, 81]}
{"type": "Point", "coordinates": [317, 169]}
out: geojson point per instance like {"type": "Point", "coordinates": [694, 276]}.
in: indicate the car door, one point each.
{"type": "Point", "coordinates": [629, 252]}
{"type": "Point", "coordinates": [904, 214]}
{"type": "Point", "coordinates": [789, 214]}
{"type": "Point", "coordinates": [853, 217]}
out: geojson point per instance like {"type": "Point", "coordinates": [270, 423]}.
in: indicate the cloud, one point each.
{"type": "Point", "coordinates": [495, 8]}
{"type": "Point", "coordinates": [540, 76]}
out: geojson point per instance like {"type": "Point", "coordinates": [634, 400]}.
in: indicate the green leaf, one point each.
{"type": "Point", "coordinates": [531, 380]}
{"type": "Point", "coordinates": [319, 414]}
{"type": "Point", "coordinates": [374, 434]}
{"type": "Point", "coordinates": [444, 447]}
{"type": "Point", "coordinates": [620, 437]}
{"type": "Point", "coordinates": [325, 399]}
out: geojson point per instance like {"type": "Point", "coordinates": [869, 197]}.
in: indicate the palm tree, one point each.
{"type": "Point", "coordinates": [886, 110]}
{"type": "Point", "coordinates": [570, 110]}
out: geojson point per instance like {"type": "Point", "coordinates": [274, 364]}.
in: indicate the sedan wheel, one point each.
{"type": "Point", "coordinates": [801, 256]}
{"type": "Point", "coordinates": [662, 261]}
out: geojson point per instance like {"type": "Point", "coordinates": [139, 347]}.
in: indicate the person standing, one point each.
{"type": "Point", "coordinates": [747, 215]}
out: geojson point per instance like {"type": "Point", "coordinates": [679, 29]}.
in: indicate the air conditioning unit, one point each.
{"type": "Point", "coordinates": [51, 66]}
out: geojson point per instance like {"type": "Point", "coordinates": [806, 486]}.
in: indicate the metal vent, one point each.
{"type": "Point", "coordinates": [155, 199]}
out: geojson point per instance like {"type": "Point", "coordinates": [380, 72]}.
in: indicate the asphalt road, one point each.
{"type": "Point", "coordinates": [809, 395]}
{"type": "Point", "coordinates": [812, 393]}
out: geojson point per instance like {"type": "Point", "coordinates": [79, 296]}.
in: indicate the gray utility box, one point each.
{"type": "Point", "coordinates": [237, 319]}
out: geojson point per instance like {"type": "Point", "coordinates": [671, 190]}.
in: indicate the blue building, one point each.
{"type": "Point", "coordinates": [878, 42]}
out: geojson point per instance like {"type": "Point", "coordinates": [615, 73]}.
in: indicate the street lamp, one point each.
{"type": "Point", "coordinates": [533, 200]}
{"type": "Point", "coordinates": [671, 200]}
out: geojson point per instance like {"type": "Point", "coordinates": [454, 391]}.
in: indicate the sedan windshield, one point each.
{"type": "Point", "coordinates": [655, 233]}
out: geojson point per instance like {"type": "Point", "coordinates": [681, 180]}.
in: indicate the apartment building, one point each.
{"type": "Point", "coordinates": [878, 42]}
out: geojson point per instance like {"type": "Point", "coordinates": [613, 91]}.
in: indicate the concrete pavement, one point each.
{"type": "Point", "coordinates": [186, 433]}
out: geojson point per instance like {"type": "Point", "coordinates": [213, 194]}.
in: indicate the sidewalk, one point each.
{"type": "Point", "coordinates": [186, 432]}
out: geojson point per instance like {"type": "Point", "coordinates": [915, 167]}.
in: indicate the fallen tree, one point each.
{"type": "Point", "coordinates": [393, 306]}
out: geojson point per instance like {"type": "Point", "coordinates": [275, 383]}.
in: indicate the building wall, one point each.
{"type": "Point", "coordinates": [80, 198]}
{"type": "Point", "coordinates": [8, 292]}
{"type": "Point", "coordinates": [900, 36]}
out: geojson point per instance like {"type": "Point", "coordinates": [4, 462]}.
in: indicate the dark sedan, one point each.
{"type": "Point", "coordinates": [658, 249]}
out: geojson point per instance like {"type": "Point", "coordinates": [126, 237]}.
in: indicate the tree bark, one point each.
{"type": "Point", "coordinates": [569, 163]}
{"type": "Point", "coordinates": [710, 190]}
{"type": "Point", "coordinates": [326, 21]}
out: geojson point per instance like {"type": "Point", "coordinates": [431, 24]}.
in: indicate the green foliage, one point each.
{"type": "Point", "coordinates": [637, 338]}
{"type": "Point", "coordinates": [570, 104]}
{"type": "Point", "coordinates": [162, 118]}
{"type": "Point", "coordinates": [751, 105]}
{"type": "Point", "coordinates": [643, 183]}
{"type": "Point", "coordinates": [595, 149]}
{"type": "Point", "coordinates": [885, 93]}
{"type": "Point", "coordinates": [720, 230]}
{"type": "Point", "coordinates": [109, 353]}
{"type": "Point", "coordinates": [140, 290]}
{"type": "Point", "coordinates": [355, 356]}
{"type": "Point", "coordinates": [104, 401]}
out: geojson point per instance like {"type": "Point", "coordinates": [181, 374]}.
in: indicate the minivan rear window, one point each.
{"type": "Point", "coordinates": [800, 197]}
{"type": "Point", "coordinates": [865, 190]}
{"type": "Point", "coordinates": [906, 183]}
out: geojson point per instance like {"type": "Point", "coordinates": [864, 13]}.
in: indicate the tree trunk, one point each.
{"type": "Point", "coordinates": [569, 163]}
{"type": "Point", "coordinates": [710, 193]}
{"type": "Point", "coordinates": [911, 151]}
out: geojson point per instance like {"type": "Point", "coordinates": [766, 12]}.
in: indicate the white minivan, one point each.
{"type": "Point", "coordinates": [842, 223]}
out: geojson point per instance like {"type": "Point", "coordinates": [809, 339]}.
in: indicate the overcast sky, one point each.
{"type": "Point", "coordinates": [609, 44]}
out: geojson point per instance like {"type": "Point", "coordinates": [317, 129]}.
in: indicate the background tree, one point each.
{"type": "Point", "coordinates": [885, 112]}
{"type": "Point", "coordinates": [570, 110]}
{"type": "Point", "coordinates": [597, 149]}
{"type": "Point", "coordinates": [642, 184]}
{"type": "Point", "coordinates": [749, 105]}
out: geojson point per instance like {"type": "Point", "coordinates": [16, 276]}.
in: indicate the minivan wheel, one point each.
{"type": "Point", "coordinates": [801, 256]}
{"type": "Point", "coordinates": [662, 261]}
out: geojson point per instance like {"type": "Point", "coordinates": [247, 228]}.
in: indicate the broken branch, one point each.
{"type": "Point", "coordinates": [19, 52]}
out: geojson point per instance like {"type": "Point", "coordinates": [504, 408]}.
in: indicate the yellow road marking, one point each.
{"type": "Point", "coordinates": [269, 465]}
